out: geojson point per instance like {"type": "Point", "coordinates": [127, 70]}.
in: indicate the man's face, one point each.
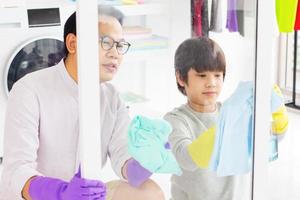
{"type": "Point", "coordinates": [111, 59]}
{"type": "Point", "coordinates": [203, 88]}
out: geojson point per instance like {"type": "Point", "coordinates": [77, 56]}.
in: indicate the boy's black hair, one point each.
{"type": "Point", "coordinates": [201, 54]}
{"type": "Point", "coordinates": [70, 25]}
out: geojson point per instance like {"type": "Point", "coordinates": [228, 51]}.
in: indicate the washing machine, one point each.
{"type": "Point", "coordinates": [31, 38]}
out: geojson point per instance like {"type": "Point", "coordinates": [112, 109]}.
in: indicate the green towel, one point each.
{"type": "Point", "coordinates": [146, 143]}
{"type": "Point", "coordinates": [286, 14]}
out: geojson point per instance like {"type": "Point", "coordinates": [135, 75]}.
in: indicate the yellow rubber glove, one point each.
{"type": "Point", "coordinates": [280, 121]}
{"type": "Point", "coordinates": [201, 149]}
{"type": "Point", "coordinates": [280, 117]}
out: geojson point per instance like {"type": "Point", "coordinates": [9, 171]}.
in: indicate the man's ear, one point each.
{"type": "Point", "coordinates": [71, 43]}
{"type": "Point", "coordinates": [179, 80]}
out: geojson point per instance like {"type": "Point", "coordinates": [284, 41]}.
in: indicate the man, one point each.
{"type": "Point", "coordinates": [41, 128]}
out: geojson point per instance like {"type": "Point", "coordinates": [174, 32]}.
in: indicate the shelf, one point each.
{"type": "Point", "coordinates": [146, 54]}
{"type": "Point", "coordinates": [12, 17]}
{"type": "Point", "coordinates": [142, 9]}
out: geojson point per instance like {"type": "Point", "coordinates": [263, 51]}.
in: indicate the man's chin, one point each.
{"type": "Point", "coordinates": [106, 78]}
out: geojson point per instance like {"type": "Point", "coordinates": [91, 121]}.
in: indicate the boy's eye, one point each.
{"type": "Point", "coordinates": [202, 75]}
{"type": "Point", "coordinates": [218, 75]}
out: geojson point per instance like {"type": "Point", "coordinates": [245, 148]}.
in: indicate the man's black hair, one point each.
{"type": "Point", "coordinates": [70, 25]}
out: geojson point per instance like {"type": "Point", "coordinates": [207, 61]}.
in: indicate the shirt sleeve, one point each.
{"type": "Point", "coordinates": [180, 138]}
{"type": "Point", "coordinates": [21, 140]}
{"type": "Point", "coordinates": [118, 148]}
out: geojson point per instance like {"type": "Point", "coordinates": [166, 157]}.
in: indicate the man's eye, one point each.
{"type": "Point", "coordinates": [106, 42]}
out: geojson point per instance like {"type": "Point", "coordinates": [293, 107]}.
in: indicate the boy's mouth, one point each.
{"type": "Point", "coordinates": [209, 93]}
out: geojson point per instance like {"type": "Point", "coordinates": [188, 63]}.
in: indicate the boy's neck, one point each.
{"type": "Point", "coordinates": [202, 108]}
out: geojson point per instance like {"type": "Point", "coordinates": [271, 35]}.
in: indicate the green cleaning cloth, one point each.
{"type": "Point", "coordinates": [147, 139]}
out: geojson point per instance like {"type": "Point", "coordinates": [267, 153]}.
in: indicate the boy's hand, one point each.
{"type": "Point", "coordinates": [201, 149]}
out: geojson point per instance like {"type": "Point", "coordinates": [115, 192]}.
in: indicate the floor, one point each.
{"type": "Point", "coordinates": [284, 173]}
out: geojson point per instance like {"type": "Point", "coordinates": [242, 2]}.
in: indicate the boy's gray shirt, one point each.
{"type": "Point", "coordinates": [194, 183]}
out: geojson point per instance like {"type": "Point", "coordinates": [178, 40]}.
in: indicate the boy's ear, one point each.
{"type": "Point", "coordinates": [179, 80]}
{"type": "Point", "coordinates": [71, 43]}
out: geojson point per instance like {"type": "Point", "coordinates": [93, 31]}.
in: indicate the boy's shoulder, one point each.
{"type": "Point", "coordinates": [178, 115]}
{"type": "Point", "coordinates": [178, 111]}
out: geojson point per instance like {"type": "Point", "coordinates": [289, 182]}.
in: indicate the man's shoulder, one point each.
{"type": "Point", "coordinates": [38, 80]}
{"type": "Point", "coordinates": [40, 76]}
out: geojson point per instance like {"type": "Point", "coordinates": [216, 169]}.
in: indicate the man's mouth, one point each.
{"type": "Point", "coordinates": [111, 67]}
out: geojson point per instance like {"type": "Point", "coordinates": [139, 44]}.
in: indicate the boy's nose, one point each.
{"type": "Point", "coordinates": [211, 83]}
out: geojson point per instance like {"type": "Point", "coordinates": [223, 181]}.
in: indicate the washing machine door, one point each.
{"type": "Point", "coordinates": [36, 54]}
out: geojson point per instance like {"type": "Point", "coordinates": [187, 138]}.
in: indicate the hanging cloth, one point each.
{"type": "Point", "coordinates": [232, 22]}
{"type": "Point", "coordinates": [241, 16]}
{"type": "Point", "coordinates": [197, 18]}
{"type": "Point", "coordinates": [297, 21]}
{"type": "Point", "coordinates": [204, 18]}
{"type": "Point", "coordinates": [286, 14]}
{"type": "Point", "coordinates": [216, 16]}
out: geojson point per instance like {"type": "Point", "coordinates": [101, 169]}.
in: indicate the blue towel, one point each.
{"type": "Point", "coordinates": [233, 151]}
{"type": "Point", "coordinates": [147, 140]}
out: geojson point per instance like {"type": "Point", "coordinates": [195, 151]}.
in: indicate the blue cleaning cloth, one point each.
{"type": "Point", "coordinates": [232, 153]}
{"type": "Point", "coordinates": [147, 140]}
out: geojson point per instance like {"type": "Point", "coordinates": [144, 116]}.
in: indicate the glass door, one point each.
{"type": "Point", "coordinates": [146, 78]}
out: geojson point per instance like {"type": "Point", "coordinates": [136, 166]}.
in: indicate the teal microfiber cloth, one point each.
{"type": "Point", "coordinates": [147, 143]}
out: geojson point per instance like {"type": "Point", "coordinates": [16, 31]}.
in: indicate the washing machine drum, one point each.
{"type": "Point", "coordinates": [32, 56]}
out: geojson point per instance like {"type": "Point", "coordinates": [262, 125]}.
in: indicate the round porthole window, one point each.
{"type": "Point", "coordinates": [33, 55]}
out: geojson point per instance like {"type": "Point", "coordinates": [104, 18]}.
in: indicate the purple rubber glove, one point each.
{"type": "Point", "coordinates": [136, 174]}
{"type": "Point", "coordinates": [46, 188]}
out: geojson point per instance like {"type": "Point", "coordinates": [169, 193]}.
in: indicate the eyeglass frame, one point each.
{"type": "Point", "coordinates": [114, 42]}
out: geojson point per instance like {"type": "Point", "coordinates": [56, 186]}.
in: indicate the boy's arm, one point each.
{"type": "Point", "coordinates": [21, 139]}
{"type": "Point", "coordinates": [180, 139]}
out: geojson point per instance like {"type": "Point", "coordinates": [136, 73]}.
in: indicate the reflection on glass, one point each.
{"type": "Point", "coordinates": [36, 55]}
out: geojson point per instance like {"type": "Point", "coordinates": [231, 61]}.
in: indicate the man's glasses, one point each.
{"type": "Point", "coordinates": [107, 43]}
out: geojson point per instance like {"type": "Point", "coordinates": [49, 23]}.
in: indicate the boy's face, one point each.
{"type": "Point", "coordinates": [202, 89]}
{"type": "Point", "coordinates": [110, 60]}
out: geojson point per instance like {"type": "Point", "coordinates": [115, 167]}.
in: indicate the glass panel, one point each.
{"type": "Point", "coordinates": [34, 56]}
{"type": "Point", "coordinates": [147, 83]}
{"type": "Point", "coordinates": [284, 176]}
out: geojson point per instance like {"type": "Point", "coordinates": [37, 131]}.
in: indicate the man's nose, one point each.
{"type": "Point", "coordinates": [113, 52]}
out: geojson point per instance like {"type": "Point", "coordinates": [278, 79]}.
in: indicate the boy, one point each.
{"type": "Point", "coordinates": [200, 71]}
{"type": "Point", "coordinates": [41, 128]}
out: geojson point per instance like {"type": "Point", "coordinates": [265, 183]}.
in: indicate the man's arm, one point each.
{"type": "Point", "coordinates": [25, 191]}
{"type": "Point", "coordinates": [21, 140]}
